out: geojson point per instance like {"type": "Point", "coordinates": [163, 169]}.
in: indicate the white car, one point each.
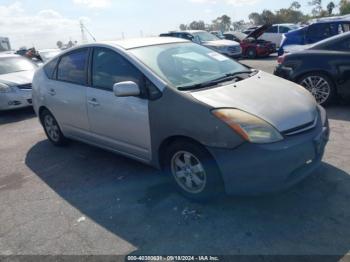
{"type": "Point", "coordinates": [16, 74]}
{"type": "Point", "coordinates": [275, 33]}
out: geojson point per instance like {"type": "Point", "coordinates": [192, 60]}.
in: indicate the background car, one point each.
{"type": "Point", "coordinates": [314, 33]}
{"type": "Point", "coordinates": [205, 119]}
{"type": "Point", "coordinates": [16, 74]}
{"type": "Point", "coordinates": [46, 54]}
{"type": "Point", "coordinates": [218, 34]}
{"type": "Point", "coordinates": [275, 33]}
{"type": "Point", "coordinates": [323, 68]}
{"type": "Point", "coordinates": [226, 47]}
{"type": "Point", "coordinates": [252, 47]}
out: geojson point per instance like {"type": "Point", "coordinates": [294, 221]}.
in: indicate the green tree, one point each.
{"type": "Point", "coordinates": [268, 17]}
{"type": "Point", "coordinates": [183, 27]}
{"type": "Point", "coordinates": [344, 7]}
{"type": "Point", "coordinates": [255, 18]}
{"type": "Point", "coordinates": [197, 25]}
{"type": "Point", "coordinates": [330, 8]}
{"type": "Point", "coordinates": [317, 7]}
{"type": "Point", "coordinates": [295, 6]}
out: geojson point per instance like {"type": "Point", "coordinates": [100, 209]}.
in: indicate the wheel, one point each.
{"type": "Point", "coordinates": [251, 53]}
{"type": "Point", "coordinates": [52, 129]}
{"type": "Point", "coordinates": [320, 86]}
{"type": "Point", "coordinates": [194, 171]}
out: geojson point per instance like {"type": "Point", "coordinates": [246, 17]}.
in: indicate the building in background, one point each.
{"type": "Point", "coordinates": [4, 44]}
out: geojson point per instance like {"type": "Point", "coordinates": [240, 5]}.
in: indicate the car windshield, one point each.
{"type": "Point", "coordinates": [205, 36]}
{"type": "Point", "coordinates": [15, 64]}
{"type": "Point", "coordinates": [186, 64]}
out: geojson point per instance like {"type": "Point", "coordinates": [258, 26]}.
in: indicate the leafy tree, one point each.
{"type": "Point", "coordinates": [197, 25]}
{"type": "Point", "coordinates": [59, 44]}
{"type": "Point", "coordinates": [330, 8]}
{"type": "Point", "coordinates": [295, 5]}
{"type": "Point", "coordinates": [255, 18]}
{"type": "Point", "coordinates": [183, 27]}
{"type": "Point", "coordinates": [268, 17]}
{"type": "Point", "coordinates": [344, 7]}
{"type": "Point", "coordinates": [317, 7]}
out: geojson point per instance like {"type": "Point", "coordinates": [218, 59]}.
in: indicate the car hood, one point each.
{"type": "Point", "coordinates": [283, 104]}
{"type": "Point", "coordinates": [258, 32]}
{"type": "Point", "coordinates": [221, 42]}
{"type": "Point", "coordinates": [17, 78]}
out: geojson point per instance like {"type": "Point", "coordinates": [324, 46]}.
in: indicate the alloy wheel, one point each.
{"type": "Point", "coordinates": [188, 172]}
{"type": "Point", "coordinates": [318, 87]}
{"type": "Point", "coordinates": [51, 128]}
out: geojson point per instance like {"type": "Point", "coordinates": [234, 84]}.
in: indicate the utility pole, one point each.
{"type": "Point", "coordinates": [83, 35]}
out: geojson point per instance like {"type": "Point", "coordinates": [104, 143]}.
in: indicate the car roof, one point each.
{"type": "Point", "coordinates": [145, 41]}
{"type": "Point", "coordinates": [333, 39]}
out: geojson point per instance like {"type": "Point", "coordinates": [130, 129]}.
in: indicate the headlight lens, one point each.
{"type": "Point", "coordinates": [5, 88]}
{"type": "Point", "coordinates": [249, 127]}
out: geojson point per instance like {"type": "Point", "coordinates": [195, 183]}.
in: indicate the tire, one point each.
{"type": "Point", "coordinates": [251, 53]}
{"type": "Point", "coordinates": [52, 129]}
{"type": "Point", "coordinates": [320, 86]}
{"type": "Point", "coordinates": [194, 171]}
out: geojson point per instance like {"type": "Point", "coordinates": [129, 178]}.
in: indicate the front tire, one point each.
{"type": "Point", "coordinates": [194, 171]}
{"type": "Point", "coordinates": [52, 129]}
{"type": "Point", "coordinates": [320, 86]}
{"type": "Point", "coordinates": [251, 53]}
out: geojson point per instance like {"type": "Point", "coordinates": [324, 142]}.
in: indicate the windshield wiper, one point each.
{"type": "Point", "coordinates": [225, 78]}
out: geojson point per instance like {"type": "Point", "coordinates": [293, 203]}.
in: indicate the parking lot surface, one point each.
{"type": "Point", "coordinates": [81, 200]}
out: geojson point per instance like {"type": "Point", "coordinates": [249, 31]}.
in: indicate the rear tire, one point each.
{"type": "Point", "coordinates": [320, 86]}
{"type": "Point", "coordinates": [194, 171]}
{"type": "Point", "coordinates": [52, 129]}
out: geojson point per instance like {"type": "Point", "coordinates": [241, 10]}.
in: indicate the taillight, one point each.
{"type": "Point", "coordinates": [280, 59]}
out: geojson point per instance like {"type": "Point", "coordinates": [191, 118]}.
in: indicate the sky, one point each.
{"type": "Point", "coordinates": [43, 22]}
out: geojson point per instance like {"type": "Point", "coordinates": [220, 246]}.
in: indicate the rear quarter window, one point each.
{"type": "Point", "coordinates": [50, 68]}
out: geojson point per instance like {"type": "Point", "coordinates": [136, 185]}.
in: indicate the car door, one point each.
{"type": "Point", "coordinates": [66, 92]}
{"type": "Point", "coordinates": [118, 123]}
{"type": "Point", "coordinates": [318, 32]}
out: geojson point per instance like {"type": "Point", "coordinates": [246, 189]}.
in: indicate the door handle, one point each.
{"type": "Point", "coordinates": [93, 102]}
{"type": "Point", "coordinates": [52, 92]}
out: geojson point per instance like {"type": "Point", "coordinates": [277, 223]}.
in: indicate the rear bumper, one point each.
{"type": "Point", "coordinates": [14, 100]}
{"type": "Point", "coordinates": [254, 169]}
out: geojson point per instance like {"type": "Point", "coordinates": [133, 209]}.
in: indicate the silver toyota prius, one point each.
{"type": "Point", "coordinates": [211, 123]}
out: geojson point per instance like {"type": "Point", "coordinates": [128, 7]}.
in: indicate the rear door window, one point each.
{"type": "Point", "coordinates": [72, 67]}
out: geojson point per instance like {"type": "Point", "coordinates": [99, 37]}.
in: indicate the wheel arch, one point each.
{"type": "Point", "coordinates": [161, 153]}
{"type": "Point", "coordinates": [299, 76]}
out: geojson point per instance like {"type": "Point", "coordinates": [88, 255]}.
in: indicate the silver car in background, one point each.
{"type": "Point", "coordinates": [16, 74]}
{"type": "Point", "coordinates": [211, 123]}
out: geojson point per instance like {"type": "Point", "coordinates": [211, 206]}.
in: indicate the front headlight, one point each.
{"type": "Point", "coordinates": [5, 88]}
{"type": "Point", "coordinates": [249, 127]}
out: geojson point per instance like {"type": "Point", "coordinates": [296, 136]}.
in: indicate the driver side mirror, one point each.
{"type": "Point", "coordinates": [127, 88]}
